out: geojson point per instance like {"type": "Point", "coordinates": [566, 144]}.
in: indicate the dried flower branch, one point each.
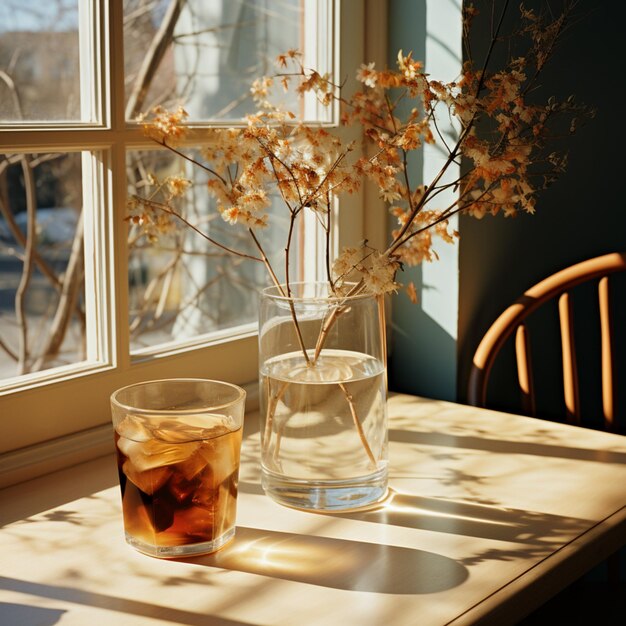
{"type": "Point", "coordinates": [502, 145]}
{"type": "Point", "coordinates": [502, 141]}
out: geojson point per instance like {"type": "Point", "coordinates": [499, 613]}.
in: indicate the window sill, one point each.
{"type": "Point", "coordinates": [42, 458]}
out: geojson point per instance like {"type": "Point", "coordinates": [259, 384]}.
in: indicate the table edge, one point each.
{"type": "Point", "coordinates": [534, 586]}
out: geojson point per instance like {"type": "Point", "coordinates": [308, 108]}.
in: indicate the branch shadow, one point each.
{"type": "Point", "coordinates": [527, 536]}
{"type": "Point", "coordinates": [337, 563]}
{"type": "Point", "coordinates": [103, 601]}
{"type": "Point", "coordinates": [461, 442]}
{"type": "Point", "coordinates": [536, 530]}
{"type": "Point", "coordinates": [56, 515]}
{"type": "Point", "coordinates": [58, 488]}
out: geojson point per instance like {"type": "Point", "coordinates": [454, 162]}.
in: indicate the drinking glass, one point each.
{"type": "Point", "coordinates": [178, 443]}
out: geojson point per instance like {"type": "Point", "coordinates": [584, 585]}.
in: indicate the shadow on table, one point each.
{"type": "Point", "coordinates": [58, 488]}
{"type": "Point", "coordinates": [97, 600]}
{"type": "Point", "coordinates": [501, 446]}
{"type": "Point", "coordinates": [472, 520]}
{"type": "Point", "coordinates": [337, 563]}
{"type": "Point", "coordinates": [14, 614]}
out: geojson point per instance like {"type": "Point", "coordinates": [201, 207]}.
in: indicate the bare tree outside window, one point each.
{"type": "Point", "coordinates": [41, 262]}
{"type": "Point", "coordinates": [39, 76]}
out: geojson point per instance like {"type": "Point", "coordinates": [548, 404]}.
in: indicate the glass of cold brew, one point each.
{"type": "Point", "coordinates": [178, 443]}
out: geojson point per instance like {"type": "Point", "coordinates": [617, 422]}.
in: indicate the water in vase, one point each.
{"type": "Point", "coordinates": [324, 430]}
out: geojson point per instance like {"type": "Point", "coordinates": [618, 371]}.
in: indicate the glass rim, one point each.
{"type": "Point", "coordinates": [241, 395]}
{"type": "Point", "coordinates": [272, 293]}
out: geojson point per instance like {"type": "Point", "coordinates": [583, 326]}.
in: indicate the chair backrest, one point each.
{"type": "Point", "coordinates": [513, 320]}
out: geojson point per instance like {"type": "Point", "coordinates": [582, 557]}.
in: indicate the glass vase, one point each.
{"type": "Point", "coordinates": [323, 398]}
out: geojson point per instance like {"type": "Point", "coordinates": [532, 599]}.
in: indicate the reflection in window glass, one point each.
{"type": "Point", "coordinates": [42, 318]}
{"type": "Point", "coordinates": [204, 55]}
{"type": "Point", "coordinates": [39, 60]}
{"type": "Point", "coordinates": [182, 285]}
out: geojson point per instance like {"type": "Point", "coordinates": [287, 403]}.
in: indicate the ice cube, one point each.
{"type": "Point", "coordinates": [162, 513]}
{"type": "Point", "coordinates": [153, 453]}
{"type": "Point", "coordinates": [193, 465]}
{"type": "Point", "coordinates": [148, 481]}
{"type": "Point", "coordinates": [222, 453]}
{"type": "Point", "coordinates": [181, 488]}
{"type": "Point", "coordinates": [229, 486]}
{"type": "Point", "coordinates": [228, 498]}
{"type": "Point", "coordinates": [187, 428]}
{"type": "Point", "coordinates": [136, 518]}
{"type": "Point", "coordinates": [219, 458]}
{"type": "Point", "coordinates": [134, 428]}
{"type": "Point", "coordinates": [199, 522]}
{"type": "Point", "coordinates": [206, 493]}
{"type": "Point", "coordinates": [219, 500]}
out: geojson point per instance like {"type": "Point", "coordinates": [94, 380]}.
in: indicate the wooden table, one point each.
{"type": "Point", "coordinates": [489, 514]}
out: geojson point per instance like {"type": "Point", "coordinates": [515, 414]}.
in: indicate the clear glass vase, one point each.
{"type": "Point", "coordinates": [323, 390]}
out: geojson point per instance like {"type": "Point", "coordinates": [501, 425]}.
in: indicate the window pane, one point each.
{"type": "Point", "coordinates": [39, 60]}
{"type": "Point", "coordinates": [205, 55]}
{"type": "Point", "coordinates": [182, 285]}
{"type": "Point", "coordinates": [41, 263]}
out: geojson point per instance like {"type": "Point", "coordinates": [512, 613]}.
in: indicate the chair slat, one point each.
{"type": "Point", "coordinates": [606, 343]}
{"type": "Point", "coordinates": [525, 370]}
{"type": "Point", "coordinates": [570, 372]}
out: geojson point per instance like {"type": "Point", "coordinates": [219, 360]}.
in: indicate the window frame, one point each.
{"type": "Point", "coordinates": [58, 404]}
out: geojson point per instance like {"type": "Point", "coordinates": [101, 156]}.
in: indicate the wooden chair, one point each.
{"type": "Point", "coordinates": [513, 320]}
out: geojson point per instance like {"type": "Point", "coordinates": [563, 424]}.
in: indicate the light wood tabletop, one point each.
{"type": "Point", "coordinates": [488, 515]}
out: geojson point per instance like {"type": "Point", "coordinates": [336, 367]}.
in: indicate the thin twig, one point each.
{"type": "Point", "coordinates": [72, 280]}
{"type": "Point", "coordinates": [170, 211]}
{"type": "Point", "coordinates": [357, 424]}
{"type": "Point", "coordinates": [287, 250]}
{"type": "Point", "coordinates": [27, 267]}
{"type": "Point", "coordinates": [277, 284]}
{"type": "Point", "coordinates": [272, 405]}
{"type": "Point", "coordinates": [154, 55]}
{"type": "Point", "coordinates": [266, 262]}
{"type": "Point", "coordinates": [494, 39]}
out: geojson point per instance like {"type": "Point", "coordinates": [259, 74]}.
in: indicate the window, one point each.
{"type": "Point", "coordinates": [74, 320]}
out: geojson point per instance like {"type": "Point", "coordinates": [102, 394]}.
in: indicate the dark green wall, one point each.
{"type": "Point", "coordinates": [582, 215]}
{"type": "Point", "coordinates": [423, 344]}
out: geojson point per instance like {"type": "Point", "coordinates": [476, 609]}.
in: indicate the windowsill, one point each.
{"type": "Point", "coordinates": [40, 459]}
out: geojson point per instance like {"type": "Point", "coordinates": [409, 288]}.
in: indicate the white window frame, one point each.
{"type": "Point", "coordinates": [60, 417]}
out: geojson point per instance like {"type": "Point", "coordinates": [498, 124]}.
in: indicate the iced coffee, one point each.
{"type": "Point", "coordinates": [178, 470]}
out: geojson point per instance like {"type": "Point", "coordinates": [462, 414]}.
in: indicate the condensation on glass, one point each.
{"type": "Point", "coordinates": [42, 309]}
{"type": "Point", "coordinates": [39, 61]}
